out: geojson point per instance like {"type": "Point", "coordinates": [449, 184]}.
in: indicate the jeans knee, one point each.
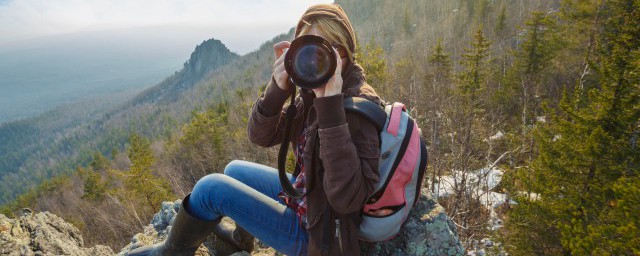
{"type": "Point", "coordinates": [208, 183]}
{"type": "Point", "coordinates": [234, 168]}
{"type": "Point", "coordinates": [202, 201]}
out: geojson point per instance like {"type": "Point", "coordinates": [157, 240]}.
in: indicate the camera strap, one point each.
{"type": "Point", "coordinates": [287, 188]}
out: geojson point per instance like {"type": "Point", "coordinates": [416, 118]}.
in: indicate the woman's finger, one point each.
{"type": "Point", "coordinates": [284, 72]}
{"type": "Point", "coordinates": [279, 61]}
{"type": "Point", "coordinates": [281, 79]}
{"type": "Point", "coordinates": [279, 69]}
{"type": "Point", "coordinates": [279, 48]}
{"type": "Point", "coordinates": [339, 62]}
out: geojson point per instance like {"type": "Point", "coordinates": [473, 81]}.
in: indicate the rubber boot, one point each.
{"type": "Point", "coordinates": [238, 237]}
{"type": "Point", "coordinates": [185, 236]}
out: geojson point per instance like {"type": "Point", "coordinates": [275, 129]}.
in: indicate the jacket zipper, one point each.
{"type": "Point", "coordinates": [338, 234]}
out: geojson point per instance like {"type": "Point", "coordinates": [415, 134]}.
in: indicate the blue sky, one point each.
{"type": "Point", "coordinates": [237, 19]}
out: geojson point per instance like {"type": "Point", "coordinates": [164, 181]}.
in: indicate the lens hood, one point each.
{"type": "Point", "coordinates": [310, 61]}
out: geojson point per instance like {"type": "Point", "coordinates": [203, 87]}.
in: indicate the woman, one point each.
{"type": "Point", "coordinates": [337, 161]}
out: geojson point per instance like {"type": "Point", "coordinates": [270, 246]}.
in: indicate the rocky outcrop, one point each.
{"type": "Point", "coordinates": [43, 234]}
{"type": "Point", "coordinates": [206, 58]}
{"type": "Point", "coordinates": [427, 231]}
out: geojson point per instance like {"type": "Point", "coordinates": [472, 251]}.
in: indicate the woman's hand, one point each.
{"type": "Point", "coordinates": [279, 72]}
{"type": "Point", "coordinates": [334, 85]}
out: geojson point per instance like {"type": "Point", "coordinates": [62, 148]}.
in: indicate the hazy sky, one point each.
{"type": "Point", "coordinates": [246, 23]}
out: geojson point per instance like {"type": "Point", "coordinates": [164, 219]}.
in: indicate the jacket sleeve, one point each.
{"type": "Point", "coordinates": [267, 118]}
{"type": "Point", "coordinates": [349, 154]}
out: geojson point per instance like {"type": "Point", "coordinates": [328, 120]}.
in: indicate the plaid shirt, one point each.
{"type": "Point", "coordinates": [298, 205]}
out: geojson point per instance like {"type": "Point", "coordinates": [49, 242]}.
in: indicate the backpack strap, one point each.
{"type": "Point", "coordinates": [372, 111]}
{"type": "Point", "coordinates": [394, 119]}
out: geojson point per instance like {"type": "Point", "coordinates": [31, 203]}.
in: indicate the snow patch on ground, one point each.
{"type": "Point", "coordinates": [479, 183]}
{"type": "Point", "coordinates": [497, 136]}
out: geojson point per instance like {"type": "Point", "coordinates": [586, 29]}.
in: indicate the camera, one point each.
{"type": "Point", "coordinates": [310, 61]}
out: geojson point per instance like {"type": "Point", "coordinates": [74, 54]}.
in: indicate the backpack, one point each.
{"type": "Point", "coordinates": [401, 168]}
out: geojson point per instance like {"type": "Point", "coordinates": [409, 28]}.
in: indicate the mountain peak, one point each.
{"type": "Point", "coordinates": [207, 57]}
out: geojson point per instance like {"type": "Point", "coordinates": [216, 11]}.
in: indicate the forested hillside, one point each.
{"type": "Point", "coordinates": [544, 92]}
{"type": "Point", "coordinates": [36, 149]}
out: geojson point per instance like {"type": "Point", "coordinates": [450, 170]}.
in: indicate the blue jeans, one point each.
{"type": "Point", "coordinates": [248, 194]}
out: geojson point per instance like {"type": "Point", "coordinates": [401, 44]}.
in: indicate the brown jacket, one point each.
{"type": "Point", "coordinates": [348, 154]}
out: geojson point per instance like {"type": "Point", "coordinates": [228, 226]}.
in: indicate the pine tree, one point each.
{"type": "Point", "coordinates": [140, 180]}
{"type": "Point", "coordinates": [582, 26]}
{"type": "Point", "coordinates": [502, 19]}
{"type": "Point", "coordinates": [437, 86]}
{"type": "Point", "coordinates": [99, 163]}
{"type": "Point", "coordinates": [203, 141]}
{"type": "Point", "coordinates": [527, 87]}
{"type": "Point", "coordinates": [94, 188]}
{"type": "Point", "coordinates": [474, 74]}
{"type": "Point", "coordinates": [371, 57]}
{"type": "Point", "coordinates": [465, 123]}
{"type": "Point", "coordinates": [587, 174]}
{"type": "Point", "coordinates": [441, 63]}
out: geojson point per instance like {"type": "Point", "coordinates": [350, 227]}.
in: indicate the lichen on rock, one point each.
{"type": "Point", "coordinates": [427, 231]}
{"type": "Point", "coordinates": [43, 234]}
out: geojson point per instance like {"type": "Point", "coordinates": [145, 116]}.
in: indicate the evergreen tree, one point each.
{"type": "Point", "coordinates": [466, 124]}
{"type": "Point", "coordinates": [205, 135]}
{"type": "Point", "coordinates": [581, 28]}
{"type": "Point", "coordinates": [371, 57]}
{"type": "Point", "coordinates": [502, 19]}
{"type": "Point", "coordinates": [140, 180]}
{"type": "Point", "coordinates": [474, 64]}
{"type": "Point", "coordinates": [441, 63]}
{"type": "Point", "coordinates": [94, 188]}
{"type": "Point", "coordinates": [437, 86]}
{"type": "Point", "coordinates": [587, 171]}
{"type": "Point", "coordinates": [527, 87]}
{"type": "Point", "coordinates": [99, 163]}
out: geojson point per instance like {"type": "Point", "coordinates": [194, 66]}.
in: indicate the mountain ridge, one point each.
{"type": "Point", "coordinates": [23, 146]}
{"type": "Point", "coordinates": [207, 57]}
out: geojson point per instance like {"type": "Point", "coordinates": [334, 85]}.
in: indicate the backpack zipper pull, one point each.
{"type": "Point", "coordinates": [338, 234]}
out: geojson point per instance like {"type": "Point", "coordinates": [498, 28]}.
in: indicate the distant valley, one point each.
{"type": "Point", "coordinates": [36, 148]}
{"type": "Point", "coordinates": [42, 74]}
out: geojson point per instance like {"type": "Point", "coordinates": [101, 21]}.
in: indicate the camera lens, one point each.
{"type": "Point", "coordinates": [310, 61]}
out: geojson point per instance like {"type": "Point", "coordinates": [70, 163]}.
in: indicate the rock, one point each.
{"type": "Point", "coordinates": [43, 234]}
{"type": "Point", "coordinates": [486, 242]}
{"type": "Point", "coordinates": [427, 231]}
